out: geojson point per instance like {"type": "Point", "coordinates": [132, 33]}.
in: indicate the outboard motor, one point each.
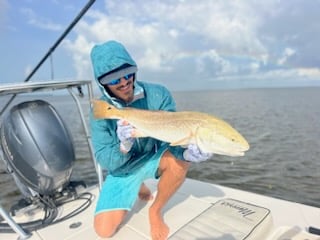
{"type": "Point", "coordinates": [37, 148]}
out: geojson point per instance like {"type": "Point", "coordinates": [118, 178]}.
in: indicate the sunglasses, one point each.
{"type": "Point", "coordinates": [117, 81]}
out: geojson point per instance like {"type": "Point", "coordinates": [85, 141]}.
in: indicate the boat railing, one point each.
{"type": "Point", "coordinates": [30, 87]}
{"type": "Point", "coordinates": [15, 227]}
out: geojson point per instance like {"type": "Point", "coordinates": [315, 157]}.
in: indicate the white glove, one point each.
{"type": "Point", "coordinates": [194, 154]}
{"type": "Point", "coordinates": [124, 133]}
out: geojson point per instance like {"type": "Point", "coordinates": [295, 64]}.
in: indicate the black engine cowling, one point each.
{"type": "Point", "coordinates": [37, 147]}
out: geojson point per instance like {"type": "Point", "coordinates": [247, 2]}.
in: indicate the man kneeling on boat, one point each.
{"type": "Point", "coordinates": [130, 161]}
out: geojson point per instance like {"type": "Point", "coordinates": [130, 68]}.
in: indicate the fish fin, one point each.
{"type": "Point", "coordinates": [138, 134]}
{"type": "Point", "coordinates": [203, 138]}
{"type": "Point", "coordinates": [181, 142]}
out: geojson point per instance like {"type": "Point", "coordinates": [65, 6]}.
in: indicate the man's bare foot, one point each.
{"type": "Point", "coordinates": [159, 230]}
{"type": "Point", "coordinates": [145, 193]}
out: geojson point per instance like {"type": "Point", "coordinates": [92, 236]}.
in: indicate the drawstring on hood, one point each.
{"type": "Point", "coordinates": [111, 61]}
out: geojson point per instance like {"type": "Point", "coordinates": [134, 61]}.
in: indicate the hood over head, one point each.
{"type": "Point", "coordinates": [110, 61]}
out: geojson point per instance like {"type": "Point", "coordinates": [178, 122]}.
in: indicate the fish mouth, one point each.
{"type": "Point", "coordinates": [232, 153]}
{"type": "Point", "coordinates": [237, 154]}
{"type": "Point", "coordinates": [238, 151]}
{"type": "Point", "coordinates": [241, 150]}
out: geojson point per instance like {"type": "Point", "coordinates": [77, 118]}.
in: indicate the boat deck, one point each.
{"type": "Point", "coordinates": [199, 211]}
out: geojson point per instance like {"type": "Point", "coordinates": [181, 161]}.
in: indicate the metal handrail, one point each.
{"type": "Point", "coordinates": [88, 136]}
{"type": "Point", "coordinates": [15, 227]}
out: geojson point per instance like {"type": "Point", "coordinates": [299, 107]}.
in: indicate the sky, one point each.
{"type": "Point", "coordinates": [184, 45]}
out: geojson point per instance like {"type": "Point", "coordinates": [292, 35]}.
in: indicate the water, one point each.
{"type": "Point", "coordinates": [283, 129]}
{"type": "Point", "coordinates": [281, 125]}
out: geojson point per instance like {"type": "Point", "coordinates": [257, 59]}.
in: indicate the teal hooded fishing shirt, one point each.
{"type": "Point", "coordinates": [107, 60]}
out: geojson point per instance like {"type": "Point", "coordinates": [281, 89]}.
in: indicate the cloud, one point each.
{"type": "Point", "coordinates": [313, 73]}
{"type": "Point", "coordinates": [287, 53]}
{"type": "Point", "coordinates": [294, 25]}
{"type": "Point", "coordinates": [40, 22]}
{"type": "Point", "coordinates": [80, 55]}
{"type": "Point", "coordinates": [204, 39]}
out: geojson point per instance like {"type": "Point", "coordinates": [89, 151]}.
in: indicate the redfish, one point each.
{"type": "Point", "coordinates": [209, 133]}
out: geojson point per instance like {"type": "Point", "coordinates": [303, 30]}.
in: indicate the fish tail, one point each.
{"type": "Point", "coordinates": [102, 110]}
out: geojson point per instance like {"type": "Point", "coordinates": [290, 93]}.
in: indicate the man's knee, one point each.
{"type": "Point", "coordinates": [171, 163]}
{"type": "Point", "coordinates": [104, 229]}
{"type": "Point", "coordinates": [106, 224]}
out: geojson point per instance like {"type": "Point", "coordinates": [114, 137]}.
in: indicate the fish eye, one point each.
{"type": "Point", "coordinates": [109, 108]}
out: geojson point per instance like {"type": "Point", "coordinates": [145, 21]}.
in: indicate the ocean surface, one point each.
{"type": "Point", "coordinates": [282, 126]}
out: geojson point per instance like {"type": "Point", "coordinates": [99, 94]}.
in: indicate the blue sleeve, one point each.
{"type": "Point", "coordinates": [106, 144]}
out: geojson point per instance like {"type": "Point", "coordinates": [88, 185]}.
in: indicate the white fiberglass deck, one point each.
{"type": "Point", "coordinates": [200, 211]}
